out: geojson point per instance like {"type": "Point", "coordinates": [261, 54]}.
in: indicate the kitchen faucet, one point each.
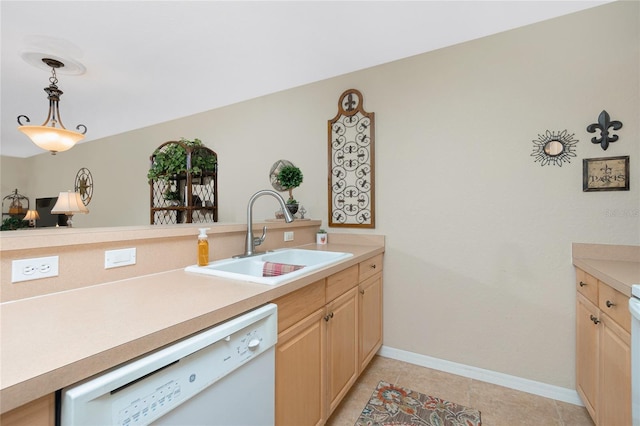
{"type": "Point", "coordinates": [252, 242]}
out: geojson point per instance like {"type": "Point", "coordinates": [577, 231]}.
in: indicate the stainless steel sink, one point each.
{"type": "Point", "coordinates": [251, 268]}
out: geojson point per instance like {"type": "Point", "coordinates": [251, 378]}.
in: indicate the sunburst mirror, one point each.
{"type": "Point", "coordinates": [554, 148]}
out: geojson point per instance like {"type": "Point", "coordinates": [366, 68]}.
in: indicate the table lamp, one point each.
{"type": "Point", "coordinates": [69, 203]}
{"type": "Point", "coordinates": [31, 216]}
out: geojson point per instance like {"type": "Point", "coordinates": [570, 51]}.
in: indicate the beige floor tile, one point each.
{"type": "Point", "coordinates": [386, 369]}
{"type": "Point", "coordinates": [499, 406]}
{"type": "Point", "coordinates": [573, 415]}
{"type": "Point", "coordinates": [351, 406]}
{"type": "Point", "coordinates": [437, 383]}
{"type": "Point", "coordinates": [504, 406]}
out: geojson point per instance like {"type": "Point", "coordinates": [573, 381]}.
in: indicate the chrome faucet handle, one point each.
{"type": "Point", "coordinates": [259, 240]}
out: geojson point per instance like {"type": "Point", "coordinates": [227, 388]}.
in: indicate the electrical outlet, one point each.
{"type": "Point", "coordinates": [34, 269]}
{"type": "Point", "coordinates": [288, 235]}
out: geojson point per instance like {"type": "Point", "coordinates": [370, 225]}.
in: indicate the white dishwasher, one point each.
{"type": "Point", "coordinates": [222, 376]}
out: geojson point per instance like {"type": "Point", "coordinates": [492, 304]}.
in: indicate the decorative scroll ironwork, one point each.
{"type": "Point", "coordinates": [351, 164]}
{"type": "Point", "coordinates": [84, 185]}
{"type": "Point", "coordinates": [604, 123]}
{"type": "Point", "coordinates": [554, 148]}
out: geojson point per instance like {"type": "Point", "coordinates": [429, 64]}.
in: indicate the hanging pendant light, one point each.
{"type": "Point", "coordinates": [52, 135]}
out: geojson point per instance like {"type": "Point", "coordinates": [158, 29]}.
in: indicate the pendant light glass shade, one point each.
{"type": "Point", "coordinates": [52, 138]}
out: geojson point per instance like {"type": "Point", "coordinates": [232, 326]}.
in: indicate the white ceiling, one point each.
{"type": "Point", "coordinates": [152, 61]}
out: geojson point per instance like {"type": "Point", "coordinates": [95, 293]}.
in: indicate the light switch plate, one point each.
{"type": "Point", "coordinates": [33, 269]}
{"type": "Point", "coordinates": [288, 235]}
{"type": "Point", "coordinates": [117, 258]}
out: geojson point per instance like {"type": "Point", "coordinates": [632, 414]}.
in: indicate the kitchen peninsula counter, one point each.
{"type": "Point", "coordinates": [617, 265]}
{"type": "Point", "coordinates": [54, 340]}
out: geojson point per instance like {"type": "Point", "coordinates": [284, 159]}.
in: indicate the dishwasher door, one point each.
{"type": "Point", "coordinates": [239, 399]}
{"type": "Point", "coordinates": [222, 376]}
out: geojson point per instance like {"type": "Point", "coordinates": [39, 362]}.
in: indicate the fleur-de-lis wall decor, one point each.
{"type": "Point", "coordinates": [352, 164]}
{"type": "Point", "coordinates": [604, 123]}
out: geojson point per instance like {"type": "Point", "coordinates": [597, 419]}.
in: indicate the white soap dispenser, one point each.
{"type": "Point", "coordinates": [203, 247]}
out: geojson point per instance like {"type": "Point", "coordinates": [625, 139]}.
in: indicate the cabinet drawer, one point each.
{"type": "Point", "coordinates": [370, 267]}
{"type": "Point", "coordinates": [297, 305]}
{"type": "Point", "coordinates": [587, 285]}
{"type": "Point", "coordinates": [341, 281]}
{"type": "Point", "coordinates": [615, 305]}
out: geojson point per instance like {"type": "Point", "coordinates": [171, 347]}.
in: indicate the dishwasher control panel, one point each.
{"type": "Point", "coordinates": [139, 392]}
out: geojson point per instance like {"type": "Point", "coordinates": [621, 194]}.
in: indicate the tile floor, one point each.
{"type": "Point", "coordinates": [499, 406]}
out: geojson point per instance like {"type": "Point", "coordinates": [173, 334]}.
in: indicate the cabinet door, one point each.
{"type": "Point", "coordinates": [300, 373]}
{"type": "Point", "coordinates": [615, 374]}
{"type": "Point", "coordinates": [587, 345]}
{"type": "Point", "coordinates": [342, 346]}
{"type": "Point", "coordinates": [370, 321]}
{"type": "Point", "coordinates": [40, 412]}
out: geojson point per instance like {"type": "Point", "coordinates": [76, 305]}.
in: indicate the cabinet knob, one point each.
{"type": "Point", "coordinates": [595, 320]}
{"type": "Point", "coordinates": [372, 266]}
{"type": "Point", "coordinates": [362, 291]}
{"type": "Point", "coordinates": [328, 317]}
{"type": "Point", "coordinates": [582, 284]}
{"type": "Point", "coordinates": [610, 304]}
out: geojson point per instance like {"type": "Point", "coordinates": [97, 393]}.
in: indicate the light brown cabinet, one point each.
{"type": "Point", "coordinates": [370, 309]}
{"type": "Point", "coordinates": [587, 354]}
{"type": "Point", "coordinates": [300, 372]}
{"type": "Point", "coordinates": [321, 339]}
{"type": "Point", "coordinates": [300, 357]}
{"type": "Point", "coordinates": [342, 346]}
{"type": "Point", "coordinates": [603, 355]}
{"type": "Point", "coordinates": [40, 412]}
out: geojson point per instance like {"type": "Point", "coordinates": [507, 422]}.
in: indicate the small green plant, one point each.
{"type": "Point", "coordinates": [290, 177]}
{"type": "Point", "coordinates": [172, 195]}
{"type": "Point", "coordinates": [171, 160]}
{"type": "Point", "coordinates": [12, 223]}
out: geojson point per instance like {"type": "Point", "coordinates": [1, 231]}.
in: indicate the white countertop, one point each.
{"type": "Point", "coordinates": [618, 266]}
{"type": "Point", "coordinates": [52, 341]}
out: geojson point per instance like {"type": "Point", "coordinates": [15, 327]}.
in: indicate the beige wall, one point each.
{"type": "Point", "coordinates": [14, 174]}
{"type": "Point", "coordinates": [478, 259]}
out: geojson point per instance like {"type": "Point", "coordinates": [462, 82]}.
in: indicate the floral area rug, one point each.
{"type": "Point", "coordinates": [398, 406]}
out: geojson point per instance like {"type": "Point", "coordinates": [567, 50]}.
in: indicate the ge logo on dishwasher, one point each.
{"type": "Point", "coordinates": [192, 378]}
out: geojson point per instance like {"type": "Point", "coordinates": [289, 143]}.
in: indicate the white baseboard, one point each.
{"type": "Point", "coordinates": [525, 385]}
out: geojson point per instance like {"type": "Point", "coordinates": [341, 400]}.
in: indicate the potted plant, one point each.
{"type": "Point", "coordinates": [173, 196]}
{"type": "Point", "coordinates": [170, 160]}
{"type": "Point", "coordinates": [321, 237]}
{"type": "Point", "coordinates": [290, 177]}
{"type": "Point", "coordinates": [12, 223]}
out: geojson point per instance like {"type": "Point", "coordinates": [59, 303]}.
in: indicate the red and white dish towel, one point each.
{"type": "Point", "coordinates": [272, 269]}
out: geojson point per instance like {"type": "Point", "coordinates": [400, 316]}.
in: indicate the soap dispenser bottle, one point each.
{"type": "Point", "coordinates": [203, 247]}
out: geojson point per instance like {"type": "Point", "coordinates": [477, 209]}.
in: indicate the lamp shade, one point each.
{"type": "Point", "coordinates": [31, 215]}
{"type": "Point", "coordinates": [69, 203]}
{"type": "Point", "coordinates": [52, 138]}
